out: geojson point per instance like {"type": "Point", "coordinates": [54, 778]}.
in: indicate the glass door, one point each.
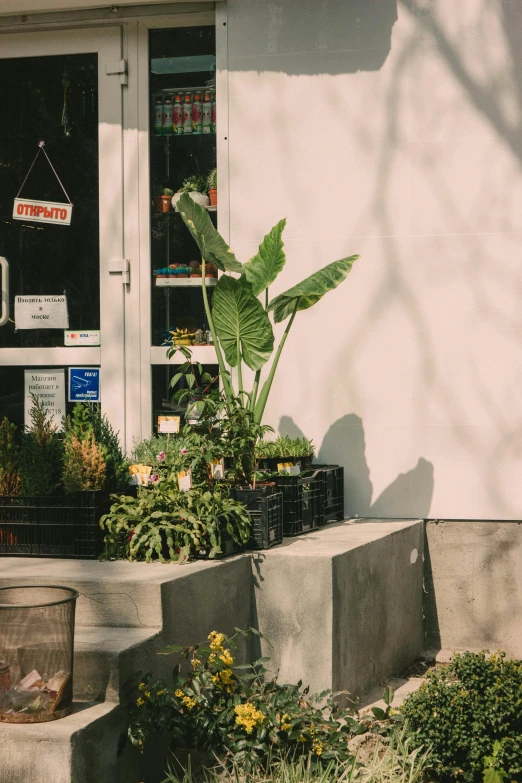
{"type": "Point", "coordinates": [62, 270]}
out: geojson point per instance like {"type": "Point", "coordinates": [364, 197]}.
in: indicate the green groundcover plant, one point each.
{"type": "Point", "coordinates": [470, 714]}
{"type": "Point", "coordinates": [390, 760]}
{"type": "Point", "coordinates": [283, 446]}
{"type": "Point", "coordinates": [238, 713]}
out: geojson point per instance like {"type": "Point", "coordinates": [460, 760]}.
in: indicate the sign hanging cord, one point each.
{"type": "Point", "coordinates": [41, 146]}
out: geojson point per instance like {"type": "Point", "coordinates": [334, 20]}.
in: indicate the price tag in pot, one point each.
{"type": "Point", "coordinates": [288, 468]}
{"type": "Point", "coordinates": [168, 424]}
{"type": "Point", "coordinates": [218, 468]}
{"type": "Point", "coordinates": [185, 480]}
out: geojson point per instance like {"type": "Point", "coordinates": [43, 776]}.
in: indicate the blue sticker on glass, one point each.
{"type": "Point", "coordinates": [84, 384]}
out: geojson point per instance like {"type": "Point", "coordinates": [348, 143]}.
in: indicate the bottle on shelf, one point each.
{"type": "Point", "coordinates": [207, 114]}
{"type": "Point", "coordinates": [187, 113]}
{"type": "Point", "coordinates": [167, 116]}
{"type": "Point", "coordinates": [213, 113]}
{"type": "Point", "coordinates": [177, 115]}
{"type": "Point", "coordinates": [158, 116]}
{"type": "Point", "coordinates": [197, 116]}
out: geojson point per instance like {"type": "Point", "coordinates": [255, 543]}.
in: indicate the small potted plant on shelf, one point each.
{"type": "Point", "coordinates": [163, 203]}
{"type": "Point", "coordinates": [210, 270]}
{"type": "Point", "coordinates": [195, 269]}
{"type": "Point", "coordinates": [212, 187]}
{"type": "Point", "coordinates": [196, 187]}
{"type": "Point", "coordinates": [181, 337]}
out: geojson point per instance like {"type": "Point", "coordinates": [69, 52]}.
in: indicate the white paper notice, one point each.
{"type": "Point", "coordinates": [48, 386]}
{"type": "Point", "coordinates": [41, 312]}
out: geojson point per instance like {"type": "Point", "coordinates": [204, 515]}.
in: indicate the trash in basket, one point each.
{"type": "Point", "coordinates": [36, 652]}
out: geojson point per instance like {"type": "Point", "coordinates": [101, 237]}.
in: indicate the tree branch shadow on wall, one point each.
{"type": "Point", "coordinates": [309, 37]}
{"type": "Point", "coordinates": [408, 496]}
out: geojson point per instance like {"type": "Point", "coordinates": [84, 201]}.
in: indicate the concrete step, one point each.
{"type": "Point", "coordinates": [89, 746]}
{"type": "Point", "coordinates": [104, 658]}
{"type": "Point", "coordinates": [122, 594]}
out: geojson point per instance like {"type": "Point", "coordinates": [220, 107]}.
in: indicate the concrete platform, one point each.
{"type": "Point", "coordinates": [342, 607]}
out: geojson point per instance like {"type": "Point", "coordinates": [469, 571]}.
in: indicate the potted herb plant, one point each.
{"type": "Point", "coordinates": [212, 187]}
{"type": "Point", "coordinates": [163, 203]}
{"type": "Point", "coordinates": [195, 269]}
{"type": "Point", "coordinates": [196, 188]}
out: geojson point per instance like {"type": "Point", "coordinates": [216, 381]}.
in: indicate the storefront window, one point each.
{"type": "Point", "coordinates": [55, 100]}
{"type": "Point", "coordinates": [183, 157]}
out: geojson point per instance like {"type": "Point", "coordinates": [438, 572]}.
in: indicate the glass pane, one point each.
{"type": "Point", "coordinates": [54, 99]}
{"type": "Point", "coordinates": [182, 148]}
{"type": "Point", "coordinates": [162, 392]}
{"type": "Point", "coordinates": [12, 392]}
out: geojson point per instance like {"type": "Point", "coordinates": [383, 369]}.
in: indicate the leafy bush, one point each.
{"type": "Point", "coordinates": [87, 425]}
{"type": "Point", "coordinates": [285, 447]}
{"type": "Point", "coordinates": [238, 713]}
{"type": "Point", "coordinates": [42, 454]}
{"type": "Point", "coordinates": [10, 481]}
{"type": "Point", "coordinates": [162, 523]}
{"type": "Point", "coordinates": [470, 713]}
{"type": "Point", "coordinates": [188, 450]}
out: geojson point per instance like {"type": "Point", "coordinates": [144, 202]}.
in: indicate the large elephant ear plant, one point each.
{"type": "Point", "coordinates": [239, 321]}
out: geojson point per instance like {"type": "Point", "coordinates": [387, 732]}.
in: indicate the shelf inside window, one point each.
{"type": "Point", "coordinates": [171, 282]}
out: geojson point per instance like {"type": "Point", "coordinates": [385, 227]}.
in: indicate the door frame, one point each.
{"type": "Point", "coordinates": [106, 42]}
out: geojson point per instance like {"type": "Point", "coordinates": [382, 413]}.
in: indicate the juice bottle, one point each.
{"type": "Point", "coordinates": [158, 116]}
{"type": "Point", "coordinates": [187, 113]}
{"type": "Point", "coordinates": [197, 117]}
{"type": "Point", "coordinates": [167, 116]}
{"type": "Point", "coordinates": [207, 114]}
{"type": "Point", "coordinates": [177, 115]}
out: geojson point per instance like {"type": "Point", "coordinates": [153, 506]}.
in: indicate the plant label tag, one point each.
{"type": "Point", "coordinates": [185, 480]}
{"type": "Point", "coordinates": [218, 468]}
{"type": "Point", "coordinates": [168, 424]}
{"type": "Point", "coordinates": [42, 211]}
{"type": "Point", "coordinates": [288, 468]}
{"type": "Point", "coordinates": [41, 312]}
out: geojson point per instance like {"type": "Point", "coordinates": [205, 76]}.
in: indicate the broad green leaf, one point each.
{"type": "Point", "coordinates": [388, 695]}
{"type": "Point", "coordinates": [312, 289]}
{"type": "Point", "coordinates": [240, 321]}
{"type": "Point", "coordinates": [264, 267]}
{"type": "Point", "coordinates": [212, 246]}
{"type": "Point", "coordinates": [492, 775]}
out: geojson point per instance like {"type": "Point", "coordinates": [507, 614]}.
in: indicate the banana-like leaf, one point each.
{"type": "Point", "coordinates": [264, 267]}
{"type": "Point", "coordinates": [241, 323]}
{"type": "Point", "coordinates": [310, 290]}
{"type": "Point", "coordinates": [211, 244]}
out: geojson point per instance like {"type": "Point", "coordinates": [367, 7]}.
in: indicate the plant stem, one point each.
{"type": "Point", "coordinates": [239, 369]}
{"type": "Point", "coordinates": [265, 391]}
{"type": "Point", "coordinates": [227, 383]}
{"type": "Point", "coordinates": [255, 387]}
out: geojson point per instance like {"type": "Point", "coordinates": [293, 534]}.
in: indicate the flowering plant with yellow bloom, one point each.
{"type": "Point", "coordinates": [238, 712]}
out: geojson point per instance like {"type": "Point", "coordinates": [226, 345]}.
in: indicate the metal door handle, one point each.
{"type": "Point", "coordinates": [4, 312]}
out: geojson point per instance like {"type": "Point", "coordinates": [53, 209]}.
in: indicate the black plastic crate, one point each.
{"type": "Point", "coordinates": [62, 526]}
{"type": "Point", "coordinates": [332, 492]}
{"type": "Point", "coordinates": [267, 522]}
{"type": "Point", "coordinates": [302, 502]}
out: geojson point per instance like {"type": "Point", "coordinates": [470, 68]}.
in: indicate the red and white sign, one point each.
{"type": "Point", "coordinates": [42, 211]}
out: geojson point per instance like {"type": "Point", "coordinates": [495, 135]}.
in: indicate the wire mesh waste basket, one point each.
{"type": "Point", "coordinates": [36, 652]}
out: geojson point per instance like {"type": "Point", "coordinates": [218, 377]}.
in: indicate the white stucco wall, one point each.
{"type": "Point", "coordinates": [393, 129]}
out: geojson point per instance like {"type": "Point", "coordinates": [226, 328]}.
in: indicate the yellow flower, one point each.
{"type": "Point", "coordinates": [248, 717]}
{"type": "Point", "coordinates": [284, 722]}
{"type": "Point", "coordinates": [140, 702]}
{"type": "Point", "coordinates": [317, 747]}
{"type": "Point", "coordinates": [226, 658]}
{"type": "Point", "coordinates": [216, 640]}
{"type": "Point", "coordinates": [188, 702]}
{"type": "Point", "coordinates": [179, 694]}
{"type": "Point", "coordinates": [141, 686]}
{"type": "Point", "coordinates": [147, 694]}
{"type": "Point", "coordinates": [195, 662]}
{"type": "Point", "coordinates": [224, 679]}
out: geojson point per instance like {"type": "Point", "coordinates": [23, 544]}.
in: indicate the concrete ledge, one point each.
{"type": "Point", "coordinates": [342, 606]}
{"type": "Point", "coordinates": [473, 598]}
